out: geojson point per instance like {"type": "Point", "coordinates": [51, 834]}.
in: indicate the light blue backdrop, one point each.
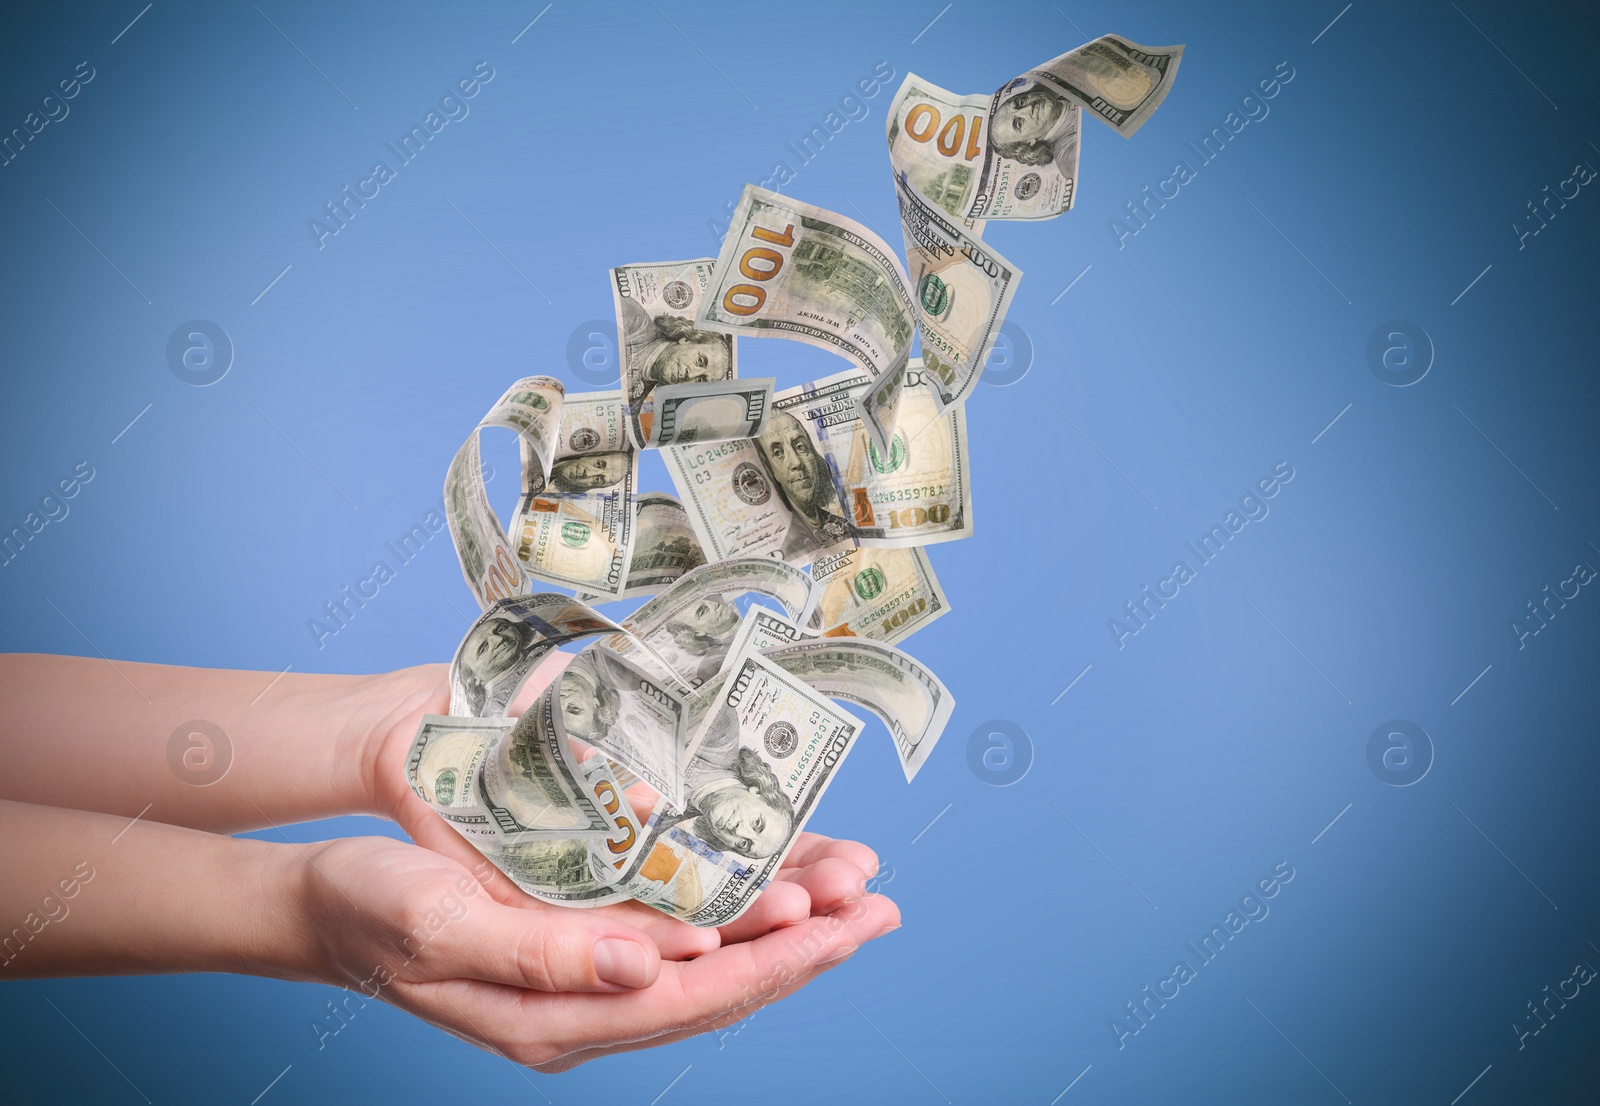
{"type": "Point", "coordinates": [1171, 369]}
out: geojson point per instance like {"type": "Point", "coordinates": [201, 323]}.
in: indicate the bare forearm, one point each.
{"type": "Point", "coordinates": [212, 749]}
{"type": "Point", "coordinates": [93, 894]}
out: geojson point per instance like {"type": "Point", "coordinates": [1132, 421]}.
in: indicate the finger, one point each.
{"type": "Point", "coordinates": [715, 1025]}
{"type": "Point", "coordinates": [499, 1020]}
{"type": "Point", "coordinates": [807, 846]}
{"type": "Point", "coordinates": [871, 914]}
{"type": "Point", "coordinates": [694, 994]}
{"type": "Point", "coordinates": [543, 948]}
{"type": "Point", "coordinates": [830, 882]}
{"type": "Point", "coordinates": [810, 847]}
{"type": "Point", "coordinates": [675, 939]}
{"type": "Point", "coordinates": [781, 904]}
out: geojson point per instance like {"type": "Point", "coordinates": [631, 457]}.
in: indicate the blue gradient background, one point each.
{"type": "Point", "coordinates": [1210, 348]}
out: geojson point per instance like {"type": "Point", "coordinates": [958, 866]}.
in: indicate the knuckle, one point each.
{"type": "Point", "coordinates": [405, 919]}
{"type": "Point", "coordinates": [408, 936]}
{"type": "Point", "coordinates": [536, 952]}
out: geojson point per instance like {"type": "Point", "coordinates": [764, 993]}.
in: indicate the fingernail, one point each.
{"type": "Point", "coordinates": [621, 962]}
{"type": "Point", "coordinates": [841, 954]}
{"type": "Point", "coordinates": [886, 930]}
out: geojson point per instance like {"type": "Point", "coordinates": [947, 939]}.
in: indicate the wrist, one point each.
{"type": "Point", "coordinates": [383, 711]}
{"type": "Point", "coordinates": [151, 897]}
{"type": "Point", "coordinates": [280, 897]}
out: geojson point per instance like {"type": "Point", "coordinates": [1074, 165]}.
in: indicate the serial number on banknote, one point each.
{"type": "Point", "coordinates": [901, 494]}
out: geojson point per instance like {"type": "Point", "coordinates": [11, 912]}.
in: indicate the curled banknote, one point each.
{"type": "Point", "coordinates": [884, 594]}
{"type": "Point", "coordinates": [508, 641]}
{"type": "Point", "coordinates": [664, 546]}
{"type": "Point", "coordinates": [918, 491]}
{"type": "Point", "coordinates": [531, 407]}
{"type": "Point", "coordinates": [1115, 79]}
{"type": "Point", "coordinates": [767, 751]}
{"type": "Point", "coordinates": [529, 783]}
{"type": "Point", "coordinates": [444, 769]}
{"type": "Point", "coordinates": [630, 715]}
{"type": "Point", "coordinates": [963, 289]}
{"type": "Point", "coordinates": [790, 269]}
{"type": "Point", "coordinates": [942, 142]}
{"type": "Point", "coordinates": [815, 483]}
{"type": "Point", "coordinates": [907, 696]}
{"type": "Point", "coordinates": [562, 870]}
{"type": "Point", "coordinates": [793, 270]}
{"type": "Point", "coordinates": [1013, 154]}
{"type": "Point", "coordinates": [685, 633]}
{"type": "Point", "coordinates": [443, 765]}
{"type": "Point", "coordinates": [574, 526]}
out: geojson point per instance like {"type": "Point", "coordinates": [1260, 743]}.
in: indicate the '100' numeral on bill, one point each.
{"type": "Point", "coordinates": [746, 299]}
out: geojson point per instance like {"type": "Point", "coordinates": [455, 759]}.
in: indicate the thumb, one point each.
{"type": "Point", "coordinates": [546, 949]}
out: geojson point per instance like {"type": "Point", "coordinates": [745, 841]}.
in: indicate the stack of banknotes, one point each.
{"type": "Point", "coordinates": [679, 754]}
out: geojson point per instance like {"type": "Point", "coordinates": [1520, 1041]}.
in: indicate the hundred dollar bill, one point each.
{"type": "Point", "coordinates": [885, 595]}
{"type": "Point", "coordinates": [664, 546]}
{"type": "Point", "coordinates": [791, 588]}
{"type": "Point", "coordinates": [508, 641]}
{"type": "Point", "coordinates": [557, 869]}
{"type": "Point", "coordinates": [685, 633]}
{"type": "Point", "coordinates": [528, 784]}
{"type": "Point", "coordinates": [867, 678]}
{"type": "Point", "coordinates": [715, 411]}
{"type": "Point", "coordinates": [531, 407]}
{"type": "Point", "coordinates": [881, 594]}
{"type": "Point", "coordinates": [443, 764]}
{"type": "Point", "coordinates": [609, 856]}
{"type": "Point", "coordinates": [442, 767]}
{"type": "Point", "coordinates": [963, 289]}
{"type": "Point", "coordinates": [1014, 154]}
{"type": "Point", "coordinates": [764, 757]}
{"type": "Point", "coordinates": [917, 492]}
{"type": "Point", "coordinates": [574, 527]}
{"type": "Point", "coordinates": [909, 698]}
{"type": "Point", "coordinates": [762, 629]}
{"type": "Point", "coordinates": [774, 495]}
{"type": "Point", "coordinates": [576, 871]}
{"type": "Point", "coordinates": [491, 570]}
{"type": "Point", "coordinates": [624, 776]}
{"type": "Point", "coordinates": [793, 270]}
{"type": "Point", "coordinates": [612, 705]}
{"type": "Point", "coordinates": [1115, 79]}
{"type": "Point", "coordinates": [656, 333]}
{"type": "Point", "coordinates": [1010, 155]}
